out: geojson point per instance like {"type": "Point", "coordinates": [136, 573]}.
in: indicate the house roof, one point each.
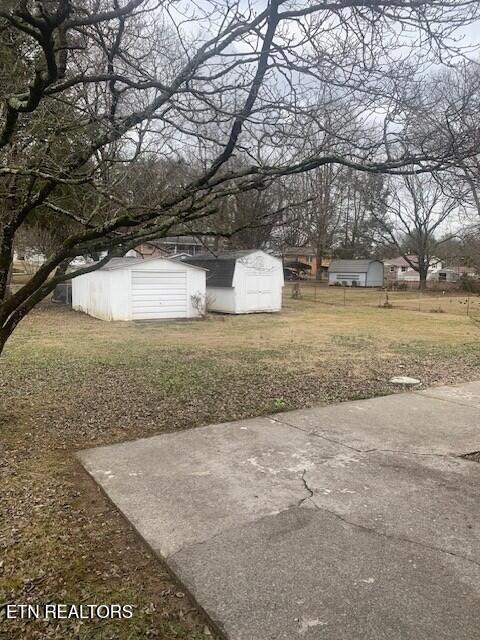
{"type": "Point", "coordinates": [350, 266]}
{"type": "Point", "coordinates": [127, 263]}
{"type": "Point", "coordinates": [402, 262]}
{"type": "Point", "coordinates": [186, 240]}
{"type": "Point", "coordinates": [226, 255]}
{"type": "Point", "coordinates": [299, 251]}
{"type": "Point", "coordinates": [221, 267]}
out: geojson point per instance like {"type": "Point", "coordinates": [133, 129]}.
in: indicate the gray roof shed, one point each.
{"type": "Point", "coordinates": [221, 267]}
{"type": "Point", "coordinates": [350, 266]}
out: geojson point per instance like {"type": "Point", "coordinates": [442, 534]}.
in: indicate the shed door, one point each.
{"type": "Point", "coordinates": [259, 292]}
{"type": "Point", "coordinates": [159, 294]}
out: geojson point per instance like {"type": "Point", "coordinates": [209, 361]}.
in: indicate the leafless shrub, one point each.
{"type": "Point", "coordinates": [201, 303]}
{"type": "Point", "coordinates": [296, 292]}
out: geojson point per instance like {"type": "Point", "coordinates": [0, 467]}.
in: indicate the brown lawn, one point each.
{"type": "Point", "coordinates": [69, 382]}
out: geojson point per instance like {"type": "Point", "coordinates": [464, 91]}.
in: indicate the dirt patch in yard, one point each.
{"type": "Point", "coordinates": [69, 382]}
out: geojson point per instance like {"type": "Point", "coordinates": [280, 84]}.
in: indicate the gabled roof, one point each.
{"type": "Point", "coordinates": [226, 255]}
{"type": "Point", "coordinates": [221, 267]}
{"type": "Point", "coordinates": [401, 261]}
{"type": "Point", "coordinates": [350, 266]}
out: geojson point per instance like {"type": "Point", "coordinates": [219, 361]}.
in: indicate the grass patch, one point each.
{"type": "Point", "coordinates": [68, 382]}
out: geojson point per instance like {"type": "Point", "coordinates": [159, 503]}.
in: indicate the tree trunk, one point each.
{"type": "Point", "coordinates": [6, 262]}
{"type": "Point", "coordinates": [4, 336]}
{"type": "Point", "coordinates": [319, 258]}
{"type": "Point", "coordinates": [423, 280]}
{"type": "Point", "coordinates": [11, 320]}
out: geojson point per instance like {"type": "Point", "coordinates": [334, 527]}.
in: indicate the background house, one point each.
{"type": "Point", "coordinates": [443, 275]}
{"type": "Point", "coordinates": [356, 273]}
{"type": "Point", "coordinates": [305, 259]}
{"type": "Point", "coordinates": [140, 289]}
{"type": "Point", "coordinates": [242, 281]}
{"type": "Point", "coordinates": [172, 245]}
{"type": "Point", "coordinates": [399, 269]}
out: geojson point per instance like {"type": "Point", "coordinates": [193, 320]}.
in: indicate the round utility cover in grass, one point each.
{"type": "Point", "coordinates": [404, 380]}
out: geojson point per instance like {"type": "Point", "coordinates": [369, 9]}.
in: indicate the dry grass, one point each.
{"type": "Point", "coordinates": [69, 382]}
{"type": "Point", "coordinates": [432, 300]}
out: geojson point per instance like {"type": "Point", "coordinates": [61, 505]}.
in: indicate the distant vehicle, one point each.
{"type": "Point", "coordinates": [291, 275]}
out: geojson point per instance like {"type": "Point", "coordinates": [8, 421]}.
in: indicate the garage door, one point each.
{"type": "Point", "coordinates": [259, 292]}
{"type": "Point", "coordinates": [159, 294]}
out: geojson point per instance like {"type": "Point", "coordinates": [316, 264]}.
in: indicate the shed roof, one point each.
{"type": "Point", "coordinates": [127, 263]}
{"type": "Point", "coordinates": [221, 267]}
{"type": "Point", "coordinates": [226, 255]}
{"type": "Point", "coordinates": [350, 266]}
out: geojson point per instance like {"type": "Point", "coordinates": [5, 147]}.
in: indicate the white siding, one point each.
{"type": "Point", "coordinates": [158, 294]}
{"type": "Point", "coordinates": [375, 275]}
{"type": "Point", "coordinates": [409, 276]}
{"type": "Point", "coordinates": [257, 286]}
{"type": "Point", "coordinates": [258, 282]}
{"type": "Point", "coordinates": [153, 289]}
{"type": "Point", "coordinates": [222, 299]}
{"type": "Point", "coordinates": [91, 294]}
{"type": "Point", "coordinates": [360, 279]}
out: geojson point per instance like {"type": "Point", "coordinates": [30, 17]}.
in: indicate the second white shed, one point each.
{"type": "Point", "coordinates": [242, 281]}
{"type": "Point", "coordinates": [356, 273]}
{"type": "Point", "coordinates": [141, 289]}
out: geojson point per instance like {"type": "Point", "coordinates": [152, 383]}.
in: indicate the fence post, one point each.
{"type": "Point", "coordinates": [468, 305]}
{"type": "Point", "coordinates": [344, 296]}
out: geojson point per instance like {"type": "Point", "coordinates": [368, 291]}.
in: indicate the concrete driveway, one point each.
{"type": "Point", "coordinates": [353, 521]}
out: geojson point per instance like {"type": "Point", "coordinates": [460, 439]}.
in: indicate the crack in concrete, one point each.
{"type": "Point", "coordinates": [411, 453]}
{"type": "Point", "coordinates": [347, 446]}
{"type": "Point", "coordinates": [381, 534]}
{"type": "Point", "coordinates": [316, 435]}
{"type": "Point", "coordinates": [449, 400]}
{"type": "Point", "coordinates": [302, 500]}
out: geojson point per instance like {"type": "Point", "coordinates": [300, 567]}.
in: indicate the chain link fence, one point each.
{"type": "Point", "coordinates": [428, 301]}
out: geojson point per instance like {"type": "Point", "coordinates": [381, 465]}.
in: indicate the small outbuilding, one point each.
{"type": "Point", "coordinates": [242, 281]}
{"type": "Point", "coordinates": [356, 273]}
{"type": "Point", "coordinates": [443, 275]}
{"type": "Point", "coordinates": [141, 289]}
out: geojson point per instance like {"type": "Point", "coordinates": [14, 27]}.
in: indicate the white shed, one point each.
{"type": "Point", "coordinates": [242, 281]}
{"type": "Point", "coordinates": [356, 273]}
{"type": "Point", "coordinates": [141, 289]}
{"type": "Point", "coordinates": [443, 275]}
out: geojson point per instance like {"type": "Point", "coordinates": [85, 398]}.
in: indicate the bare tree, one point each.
{"type": "Point", "coordinates": [362, 206]}
{"type": "Point", "coordinates": [416, 211]}
{"type": "Point", "coordinates": [460, 97]}
{"type": "Point", "coordinates": [322, 213]}
{"type": "Point", "coordinates": [101, 84]}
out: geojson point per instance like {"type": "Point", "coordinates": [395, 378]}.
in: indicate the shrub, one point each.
{"type": "Point", "coordinates": [469, 284]}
